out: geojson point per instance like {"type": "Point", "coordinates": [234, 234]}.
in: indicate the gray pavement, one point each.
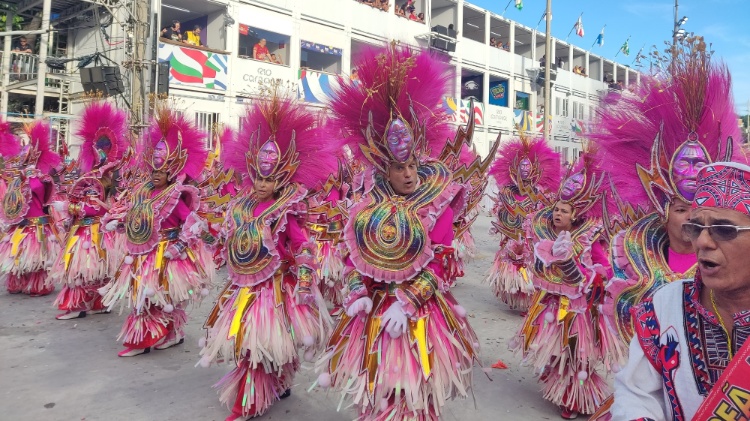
{"type": "Point", "coordinates": [69, 370]}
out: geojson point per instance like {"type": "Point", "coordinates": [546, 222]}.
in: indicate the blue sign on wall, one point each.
{"type": "Point", "coordinates": [499, 93]}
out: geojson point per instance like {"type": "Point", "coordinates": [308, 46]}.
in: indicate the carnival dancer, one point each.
{"type": "Point", "coordinates": [662, 138]}
{"type": "Point", "coordinates": [10, 147]}
{"type": "Point", "coordinates": [692, 331]}
{"type": "Point", "coordinates": [91, 255]}
{"type": "Point", "coordinates": [403, 347]}
{"type": "Point", "coordinates": [563, 335]}
{"type": "Point", "coordinates": [271, 305]}
{"type": "Point", "coordinates": [166, 265]}
{"type": "Point", "coordinates": [30, 245]}
{"type": "Point", "coordinates": [527, 172]}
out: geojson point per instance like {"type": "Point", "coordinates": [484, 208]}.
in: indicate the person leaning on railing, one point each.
{"type": "Point", "coordinates": [193, 37]}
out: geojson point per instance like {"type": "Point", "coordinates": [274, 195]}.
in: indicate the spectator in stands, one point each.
{"type": "Point", "coordinates": [493, 42]}
{"type": "Point", "coordinates": [354, 75]}
{"type": "Point", "coordinates": [194, 37]}
{"type": "Point", "coordinates": [560, 62]}
{"type": "Point", "coordinates": [412, 15]}
{"type": "Point", "coordinates": [260, 51]}
{"type": "Point", "coordinates": [401, 10]}
{"type": "Point", "coordinates": [583, 71]}
{"type": "Point", "coordinates": [276, 59]}
{"type": "Point", "coordinates": [22, 46]}
{"type": "Point", "coordinates": [543, 61]}
{"type": "Point", "coordinates": [163, 33]}
{"type": "Point", "coordinates": [174, 32]}
{"type": "Point", "coordinates": [421, 17]}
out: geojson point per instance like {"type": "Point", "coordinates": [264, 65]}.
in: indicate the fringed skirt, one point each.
{"type": "Point", "coordinates": [511, 283]}
{"type": "Point", "coordinates": [409, 377]}
{"type": "Point", "coordinates": [261, 328]}
{"type": "Point", "coordinates": [565, 340]}
{"type": "Point", "coordinates": [88, 260]}
{"type": "Point", "coordinates": [27, 252]}
{"type": "Point", "coordinates": [157, 289]}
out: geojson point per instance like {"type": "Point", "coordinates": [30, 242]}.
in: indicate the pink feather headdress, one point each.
{"type": "Point", "coordinates": [104, 130]}
{"type": "Point", "coordinates": [173, 144]}
{"type": "Point", "coordinates": [10, 146]}
{"type": "Point", "coordinates": [392, 112]}
{"type": "Point", "coordinates": [652, 142]}
{"type": "Point", "coordinates": [281, 140]}
{"type": "Point", "coordinates": [38, 153]}
{"type": "Point", "coordinates": [545, 164]}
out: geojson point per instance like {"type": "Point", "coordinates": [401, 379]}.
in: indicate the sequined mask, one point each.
{"type": "Point", "coordinates": [524, 169]}
{"type": "Point", "coordinates": [689, 158]}
{"type": "Point", "coordinates": [102, 147]}
{"type": "Point", "coordinates": [161, 151]}
{"type": "Point", "coordinates": [399, 140]}
{"type": "Point", "coordinates": [572, 186]}
{"type": "Point", "coordinates": [268, 158]}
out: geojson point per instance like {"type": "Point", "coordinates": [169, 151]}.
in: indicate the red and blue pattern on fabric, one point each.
{"type": "Point", "coordinates": [724, 186]}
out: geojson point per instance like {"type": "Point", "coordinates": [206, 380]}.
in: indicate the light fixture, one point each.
{"type": "Point", "coordinates": [471, 24]}
{"type": "Point", "coordinates": [495, 33]}
{"type": "Point", "coordinates": [179, 9]}
{"type": "Point", "coordinates": [682, 21]}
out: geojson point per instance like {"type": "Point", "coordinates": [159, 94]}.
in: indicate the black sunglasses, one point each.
{"type": "Point", "coordinates": [717, 232]}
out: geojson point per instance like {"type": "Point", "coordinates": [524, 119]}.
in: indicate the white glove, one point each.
{"type": "Point", "coordinates": [199, 228]}
{"type": "Point", "coordinates": [563, 244]}
{"type": "Point", "coordinates": [111, 226]}
{"type": "Point", "coordinates": [362, 304]}
{"type": "Point", "coordinates": [168, 255]}
{"type": "Point", "coordinates": [394, 320]}
{"type": "Point", "coordinates": [58, 205]}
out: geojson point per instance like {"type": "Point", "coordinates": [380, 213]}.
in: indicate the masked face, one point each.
{"type": "Point", "coordinates": [572, 186]}
{"type": "Point", "coordinates": [102, 148]}
{"type": "Point", "coordinates": [687, 161]}
{"type": "Point", "coordinates": [268, 158]}
{"type": "Point", "coordinates": [524, 169]}
{"type": "Point", "coordinates": [399, 139]}
{"type": "Point", "coordinates": [160, 154]}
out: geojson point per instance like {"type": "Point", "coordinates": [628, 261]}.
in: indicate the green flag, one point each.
{"type": "Point", "coordinates": [626, 48]}
{"type": "Point", "coordinates": [519, 4]}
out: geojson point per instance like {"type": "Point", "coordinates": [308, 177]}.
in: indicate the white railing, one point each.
{"type": "Point", "coordinates": [23, 66]}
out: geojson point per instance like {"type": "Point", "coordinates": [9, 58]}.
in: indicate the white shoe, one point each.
{"type": "Point", "coordinates": [170, 340]}
{"type": "Point", "coordinates": [71, 315]}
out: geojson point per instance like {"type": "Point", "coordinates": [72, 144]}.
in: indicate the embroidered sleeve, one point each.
{"type": "Point", "coordinates": [357, 286]}
{"type": "Point", "coordinates": [418, 292]}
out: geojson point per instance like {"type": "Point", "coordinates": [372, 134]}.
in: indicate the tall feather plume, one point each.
{"type": "Point", "coordinates": [540, 154]}
{"type": "Point", "coordinates": [39, 134]}
{"type": "Point", "coordinates": [285, 119]}
{"type": "Point", "coordinates": [695, 97]}
{"type": "Point", "coordinates": [10, 146]}
{"type": "Point", "coordinates": [101, 118]}
{"type": "Point", "coordinates": [392, 80]}
{"type": "Point", "coordinates": [171, 125]}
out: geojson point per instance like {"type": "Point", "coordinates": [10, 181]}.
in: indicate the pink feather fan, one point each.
{"type": "Point", "coordinates": [39, 134]}
{"type": "Point", "coordinates": [10, 146]}
{"type": "Point", "coordinates": [102, 122]}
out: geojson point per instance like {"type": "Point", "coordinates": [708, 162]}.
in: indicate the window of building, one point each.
{"type": "Point", "coordinates": [259, 44]}
{"type": "Point", "coordinates": [580, 111]}
{"type": "Point", "coordinates": [564, 154]}
{"type": "Point", "coordinates": [575, 109]}
{"type": "Point", "coordinates": [209, 123]}
{"type": "Point", "coordinates": [522, 101]}
{"type": "Point", "coordinates": [557, 106]}
{"type": "Point", "coordinates": [320, 57]}
{"type": "Point", "coordinates": [565, 107]}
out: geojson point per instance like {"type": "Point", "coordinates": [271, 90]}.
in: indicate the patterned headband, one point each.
{"type": "Point", "coordinates": [724, 185]}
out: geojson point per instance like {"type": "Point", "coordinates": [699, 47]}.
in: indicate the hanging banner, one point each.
{"type": "Point", "coordinates": [499, 93]}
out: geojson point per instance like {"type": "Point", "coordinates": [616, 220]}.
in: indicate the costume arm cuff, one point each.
{"type": "Point", "coordinates": [421, 289]}
{"type": "Point", "coordinates": [306, 274]}
{"type": "Point", "coordinates": [572, 273]}
{"type": "Point", "coordinates": [356, 287]}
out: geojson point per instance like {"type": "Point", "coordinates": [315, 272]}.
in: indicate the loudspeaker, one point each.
{"type": "Point", "coordinates": [162, 85]}
{"type": "Point", "coordinates": [443, 45]}
{"type": "Point", "coordinates": [107, 80]}
{"type": "Point", "coordinates": [440, 29]}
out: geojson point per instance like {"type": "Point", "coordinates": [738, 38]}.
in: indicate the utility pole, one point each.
{"type": "Point", "coordinates": [139, 63]}
{"type": "Point", "coordinates": [41, 73]}
{"type": "Point", "coordinates": [547, 62]}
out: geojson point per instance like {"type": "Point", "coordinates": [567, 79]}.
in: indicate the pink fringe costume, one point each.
{"type": "Point", "coordinates": [271, 306]}
{"type": "Point", "coordinates": [526, 170]}
{"type": "Point", "coordinates": [90, 254]}
{"type": "Point", "coordinates": [651, 144]}
{"type": "Point", "coordinates": [166, 264]}
{"type": "Point", "coordinates": [563, 335]}
{"type": "Point", "coordinates": [30, 244]}
{"type": "Point", "coordinates": [403, 347]}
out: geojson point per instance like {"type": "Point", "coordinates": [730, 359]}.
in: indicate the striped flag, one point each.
{"type": "Point", "coordinates": [579, 27]}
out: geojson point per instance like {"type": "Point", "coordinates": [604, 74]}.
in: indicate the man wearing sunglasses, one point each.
{"type": "Point", "coordinates": [689, 332]}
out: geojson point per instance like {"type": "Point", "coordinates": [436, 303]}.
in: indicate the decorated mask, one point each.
{"type": "Point", "coordinates": [572, 186]}
{"type": "Point", "coordinates": [687, 161]}
{"type": "Point", "coordinates": [161, 152]}
{"type": "Point", "coordinates": [524, 169]}
{"type": "Point", "coordinates": [102, 147]}
{"type": "Point", "coordinates": [399, 139]}
{"type": "Point", "coordinates": [268, 158]}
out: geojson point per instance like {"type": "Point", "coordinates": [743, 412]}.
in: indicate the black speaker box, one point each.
{"type": "Point", "coordinates": [107, 80]}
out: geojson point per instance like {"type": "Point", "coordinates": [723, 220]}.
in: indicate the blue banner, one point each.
{"type": "Point", "coordinates": [320, 48]}
{"type": "Point", "coordinates": [499, 93]}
